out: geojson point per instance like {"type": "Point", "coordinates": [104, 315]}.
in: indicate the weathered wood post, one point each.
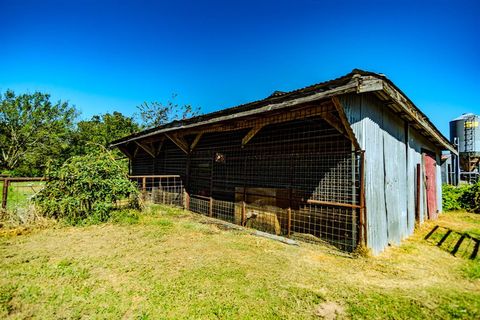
{"type": "Point", "coordinates": [363, 211]}
{"type": "Point", "coordinates": [417, 195]}
{"type": "Point", "coordinates": [144, 188]}
{"type": "Point", "coordinates": [289, 223]}
{"type": "Point", "coordinates": [6, 183]}
{"type": "Point", "coordinates": [186, 200]}
{"type": "Point", "coordinates": [210, 207]}
{"type": "Point", "coordinates": [244, 214]}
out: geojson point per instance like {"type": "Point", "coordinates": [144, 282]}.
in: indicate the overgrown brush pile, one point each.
{"type": "Point", "coordinates": [86, 189]}
{"type": "Point", "coordinates": [462, 197]}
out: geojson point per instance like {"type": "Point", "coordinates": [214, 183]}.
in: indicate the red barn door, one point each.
{"type": "Point", "coordinates": [431, 185]}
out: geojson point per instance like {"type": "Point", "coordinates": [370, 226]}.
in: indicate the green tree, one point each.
{"type": "Point", "coordinates": [33, 131]}
{"type": "Point", "coordinates": [155, 113]}
{"type": "Point", "coordinates": [101, 130]}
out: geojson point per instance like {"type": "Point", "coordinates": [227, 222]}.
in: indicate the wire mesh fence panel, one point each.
{"type": "Point", "coordinates": [17, 196]}
{"type": "Point", "coordinates": [223, 210]}
{"type": "Point", "coordinates": [167, 189]}
{"type": "Point", "coordinates": [299, 178]}
{"type": "Point", "coordinates": [335, 225]}
{"type": "Point", "coordinates": [306, 167]}
{"type": "Point", "coordinates": [198, 205]}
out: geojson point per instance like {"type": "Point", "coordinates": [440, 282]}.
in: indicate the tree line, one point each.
{"type": "Point", "coordinates": [37, 133]}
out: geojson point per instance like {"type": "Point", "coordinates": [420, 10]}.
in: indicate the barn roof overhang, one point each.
{"type": "Point", "coordinates": [357, 81]}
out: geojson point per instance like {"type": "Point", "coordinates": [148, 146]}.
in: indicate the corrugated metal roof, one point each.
{"type": "Point", "coordinates": [277, 99]}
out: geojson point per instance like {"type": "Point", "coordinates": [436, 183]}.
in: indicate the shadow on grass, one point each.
{"type": "Point", "coordinates": [457, 243]}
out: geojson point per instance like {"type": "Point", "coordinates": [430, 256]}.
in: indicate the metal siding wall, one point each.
{"type": "Point", "coordinates": [414, 157]}
{"type": "Point", "coordinates": [366, 116]}
{"type": "Point", "coordinates": [391, 181]}
{"type": "Point", "coordinates": [395, 176]}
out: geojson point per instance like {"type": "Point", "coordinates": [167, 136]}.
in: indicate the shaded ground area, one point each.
{"type": "Point", "coordinates": [169, 264]}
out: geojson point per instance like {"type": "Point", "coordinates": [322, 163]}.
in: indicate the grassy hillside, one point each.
{"type": "Point", "coordinates": [172, 264]}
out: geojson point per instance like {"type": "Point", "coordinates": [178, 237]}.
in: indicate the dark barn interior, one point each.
{"type": "Point", "coordinates": [293, 173]}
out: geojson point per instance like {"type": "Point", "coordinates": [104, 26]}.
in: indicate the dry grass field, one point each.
{"type": "Point", "coordinates": [170, 264]}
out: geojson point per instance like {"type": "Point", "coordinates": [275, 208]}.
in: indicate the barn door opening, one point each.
{"type": "Point", "coordinates": [431, 184]}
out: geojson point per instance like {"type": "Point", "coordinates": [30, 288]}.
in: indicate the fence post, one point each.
{"type": "Point", "coordinates": [289, 224]}
{"type": "Point", "coordinates": [186, 200]}
{"type": "Point", "coordinates": [6, 182]}
{"type": "Point", "coordinates": [363, 210]}
{"type": "Point", "coordinates": [144, 188]}
{"type": "Point", "coordinates": [210, 208]}
{"type": "Point", "coordinates": [244, 214]}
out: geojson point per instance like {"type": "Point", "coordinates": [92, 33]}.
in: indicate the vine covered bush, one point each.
{"type": "Point", "coordinates": [465, 197]}
{"type": "Point", "coordinates": [86, 188]}
{"type": "Point", "coordinates": [470, 198]}
{"type": "Point", "coordinates": [451, 197]}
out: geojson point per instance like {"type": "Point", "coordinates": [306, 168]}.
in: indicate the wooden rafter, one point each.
{"type": "Point", "coordinates": [196, 141]}
{"type": "Point", "coordinates": [179, 141]}
{"type": "Point", "coordinates": [147, 149]}
{"type": "Point", "coordinates": [251, 134]}
{"type": "Point", "coordinates": [125, 151]}
{"type": "Point", "coordinates": [335, 122]}
{"type": "Point", "coordinates": [300, 112]}
{"type": "Point", "coordinates": [344, 121]}
{"type": "Point", "coordinates": [136, 151]}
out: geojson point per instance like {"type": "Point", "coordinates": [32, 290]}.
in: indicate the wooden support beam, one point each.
{"type": "Point", "coordinates": [196, 141]}
{"type": "Point", "coordinates": [301, 112]}
{"type": "Point", "coordinates": [249, 136]}
{"type": "Point", "coordinates": [335, 122]}
{"type": "Point", "coordinates": [312, 109]}
{"type": "Point", "coordinates": [344, 120]}
{"type": "Point", "coordinates": [136, 151]}
{"type": "Point", "coordinates": [351, 86]}
{"type": "Point", "coordinates": [125, 151]}
{"type": "Point", "coordinates": [179, 141]}
{"type": "Point", "coordinates": [145, 148]}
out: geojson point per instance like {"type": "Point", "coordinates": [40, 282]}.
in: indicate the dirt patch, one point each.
{"type": "Point", "coordinates": [330, 311]}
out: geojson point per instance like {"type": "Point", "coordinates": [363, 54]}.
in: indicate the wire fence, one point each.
{"type": "Point", "coordinates": [16, 196]}
{"type": "Point", "coordinates": [165, 189]}
{"type": "Point", "coordinates": [300, 179]}
{"type": "Point", "coordinates": [254, 207]}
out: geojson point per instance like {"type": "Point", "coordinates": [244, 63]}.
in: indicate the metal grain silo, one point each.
{"type": "Point", "coordinates": [465, 131]}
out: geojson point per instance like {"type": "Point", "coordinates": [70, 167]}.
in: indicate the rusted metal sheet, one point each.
{"type": "Point", "coordinates": [431, 184]}
{"type": "Point", "coordinates": [417, 146]}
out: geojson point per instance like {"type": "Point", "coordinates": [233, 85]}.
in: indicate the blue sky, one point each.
{"type": "Point", "coordinates": [112, 55]}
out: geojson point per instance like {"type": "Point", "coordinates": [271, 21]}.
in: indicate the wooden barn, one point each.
{"type": "Point", "coordinates": [349, 161]}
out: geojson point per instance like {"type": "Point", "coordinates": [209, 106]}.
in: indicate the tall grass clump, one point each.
{"type": "Point", "coordinates": [86, 189]}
